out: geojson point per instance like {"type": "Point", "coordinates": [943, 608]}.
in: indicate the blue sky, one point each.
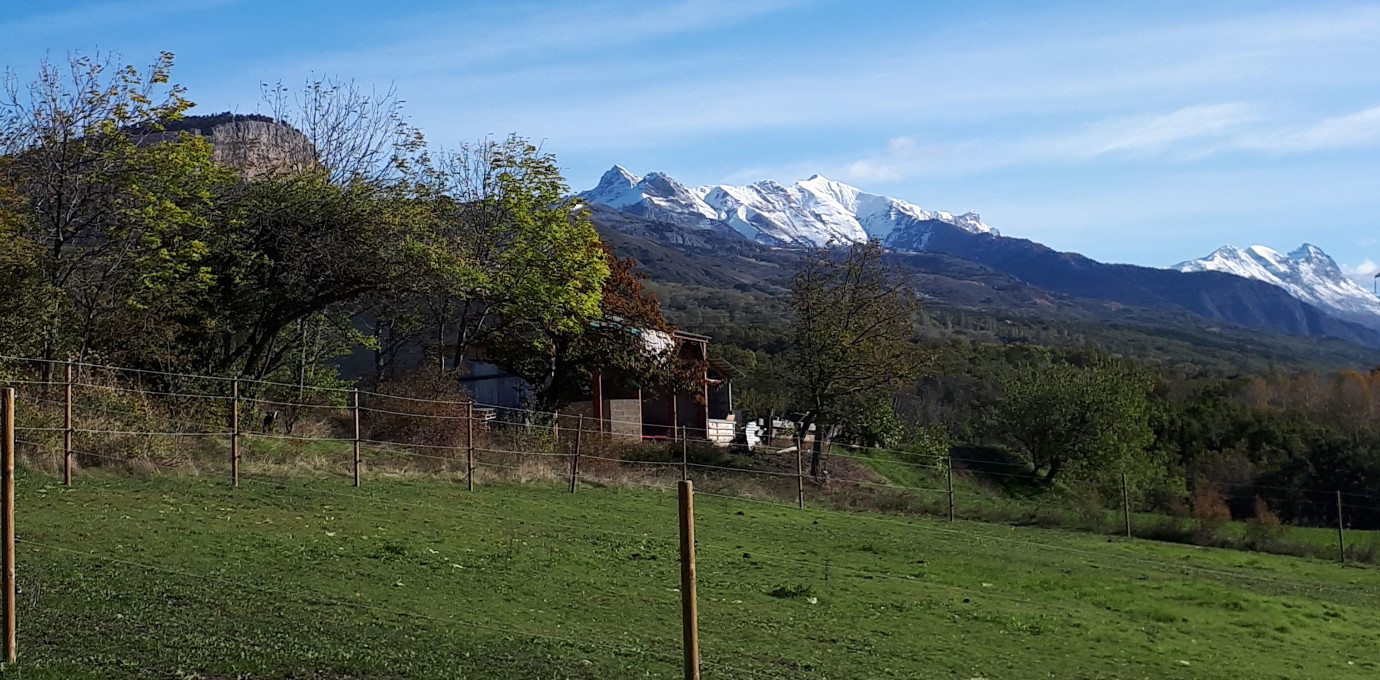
{"type": "Point", "coordinates": [1145, 132]}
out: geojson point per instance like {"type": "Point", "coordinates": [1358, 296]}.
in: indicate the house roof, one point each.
{"type": "Point", "coordinates": [726, 368]}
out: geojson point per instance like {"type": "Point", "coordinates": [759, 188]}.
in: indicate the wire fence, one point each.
{"type": "Point", "coordinates": [103, 423]}
{"type": "Point", "coordinates": [97, 409]}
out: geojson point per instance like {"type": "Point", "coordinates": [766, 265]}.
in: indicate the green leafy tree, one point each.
{"type": "Point", "coordinates": [20, 278]}
{"type": "Point", "coordinates": [509, 253]}
{"type": "Point", "coordinates": [118, 222]}
{"type": "Point", "coordinates": [1084, 422]}
{"type": "Point", "coordinates": [291, 247]}
{"type": "Point", "coordinates": [630, 339]}
{"type": "Point", "coordinates": [853, 338]}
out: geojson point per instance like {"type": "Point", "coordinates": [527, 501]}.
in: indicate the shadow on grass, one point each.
{"type": "Point", "coordinates": [999, 469]}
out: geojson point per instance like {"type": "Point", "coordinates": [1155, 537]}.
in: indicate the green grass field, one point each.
{"type": "Point", "coordinates": [979, 495]}
{"type": "Point", "coordinates": [171, 576]}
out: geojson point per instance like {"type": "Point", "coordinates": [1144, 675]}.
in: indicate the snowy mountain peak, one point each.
{"type": "Point", "coordinates": [1309, 251]}
{"type": "Point", "coordinates": [616, 188]}
{"type": "Point", "coordinates": [816, 211]}
{"type": "Point", "coordinates": [1307, 273]}
{"type": "Point", "coordinates": [619, 177]}
{"type": "Point", "coordinates": [665, 185]}
{"type": "Point", "coordinates": [656, 196]}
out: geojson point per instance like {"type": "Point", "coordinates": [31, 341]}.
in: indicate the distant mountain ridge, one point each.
{"type": "Point", "coordinates": [819, 211]}
{"type": "Point", "coordinates": [1307, 273]}
{"type": "Point", "coordinates": [813, 212]}
{"type": "Point", "coordinates": [727, 285]}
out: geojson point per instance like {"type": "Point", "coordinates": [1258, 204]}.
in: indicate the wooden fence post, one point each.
{"type": "Point", "coordinates": [469, 446]}
{"type": "Point", "coordinates": [67, 430]}
{"type": "Point", "coordinates": [684, 454]}
{"type": "Point", "coordinates": [689, 614]}
{"type": "Point", "coordinates": [7, 518]}
{"type": "Point", "coordinates": [354, 413]}
{"type": "Point", "coordinates": [949, 477]}
{"type": "Point", "coordinates": [1126, 504]}
{"type": "Point", "coordinates": [575, 461]}
{"type": "Point", "coordinates": [235, 433]}
{"type": "Point", "coordinates": [1341, 538]}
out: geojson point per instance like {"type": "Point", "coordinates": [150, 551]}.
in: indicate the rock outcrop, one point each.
{"type": "Point", "coordinates": [255, 145]}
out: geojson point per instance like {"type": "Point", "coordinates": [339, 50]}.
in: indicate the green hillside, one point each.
{"type": "Point", "coordinates": [174, 576]}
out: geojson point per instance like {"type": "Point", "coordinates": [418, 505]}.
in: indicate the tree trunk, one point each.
{"type": "Point", "coordinates": [1054, 466]}
{"type": "Point", "coordinates": [817, 461]}
{"type": "Point", "coordinates": [378, 353]}
{"type": "Point", "coordinates": [441, 348]}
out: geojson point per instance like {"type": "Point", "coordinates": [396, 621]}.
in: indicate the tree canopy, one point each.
{"type": "Point", "coordinates": [126, 241]}
{"type": "Point", "coordinates": [852, 340]}
{"type": "Point", "coordinates": [1084, 422]}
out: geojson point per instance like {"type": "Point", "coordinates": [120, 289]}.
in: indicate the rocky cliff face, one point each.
{"type": "Point", "coordinates": [256, 145]}
{"type": "Point", "coordinates": [259, 148]}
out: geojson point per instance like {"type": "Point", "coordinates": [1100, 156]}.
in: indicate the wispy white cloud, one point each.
{"type": "Point", "coordinates": [1361, 128]}
{"type": "Point", "coordinates": [1363, 273]}
{"type": "Point", "coordinates": [1107, 78]}
{"type": "Point", "coordinates": [467, 38]}
{"type": "Point", "coordinates": [1149, 134]}
{"type": "Point", "coordinates": [1190, 133]}
{"type": "Point", "coordinates": [571, 75]}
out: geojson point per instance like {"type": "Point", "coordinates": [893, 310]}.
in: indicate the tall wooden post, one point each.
{"type": "Point", "coordinates": [949, 477]}
{"type": "Point", "coordinates": [1341, 538]}
{"type": "Point", "coordinates": [684, 455]}
{"type": "Point", "coordinates": [354, 413]}
{"type": "Point", "coordinates": [7, 517]}
{"type": "Point", "coordinates": [67, 430]}
{"type": "Point", "coordinates": [235, 432]}
{"type": "Point", "coordinates": [1126, 504]}
{"type": "Point", "coordinates": [689, 608]}
{"type": "Point", "coordinates": [469, 446]}
{"type": "Point", "coordinates": [575, 460]}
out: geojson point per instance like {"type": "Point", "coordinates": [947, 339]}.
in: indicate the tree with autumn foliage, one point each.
{"type": "Point", "coordinates": [629, 339]}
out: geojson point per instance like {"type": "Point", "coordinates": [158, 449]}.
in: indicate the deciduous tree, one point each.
{"type": "Point", "coordinates": [1085, 422]}
{"type": "Point", "coordinates": [119, 224]}
{"type": "Point", "coordinates": [853, 338]}
{"type": "Point", "coordinates": [508, 248]}
{"type": "Point", "coordinates": [630, 338]}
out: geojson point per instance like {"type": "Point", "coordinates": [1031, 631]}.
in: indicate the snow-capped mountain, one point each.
{"type": "Point", "coordinates": [1307, 273]}
{"type": "Point", "coordinates": [655, 217]}
{"type": "Point", "coordinates": [816, 211]}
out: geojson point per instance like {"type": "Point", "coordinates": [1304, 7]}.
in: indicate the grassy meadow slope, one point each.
{"type": "Point", "coordinates": [178, 576]}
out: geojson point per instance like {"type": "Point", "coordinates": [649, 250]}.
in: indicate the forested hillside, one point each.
{"type": "Point", "coordinates": [1224, 432]}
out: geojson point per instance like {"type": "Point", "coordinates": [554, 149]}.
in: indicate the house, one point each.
{"type": "Point", "coordinates": [622, 408]}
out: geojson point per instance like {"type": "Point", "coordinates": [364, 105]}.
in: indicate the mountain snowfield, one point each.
{"type": "Point", "coordinates": [1308, 273]}
{"type": "Point", "coordinates": [817, 211]}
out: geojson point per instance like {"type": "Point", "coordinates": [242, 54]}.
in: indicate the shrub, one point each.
{"type": "Point", "coordinates": [435, 416]}
{"type": "Point", "coordinates": [1208, 506]}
